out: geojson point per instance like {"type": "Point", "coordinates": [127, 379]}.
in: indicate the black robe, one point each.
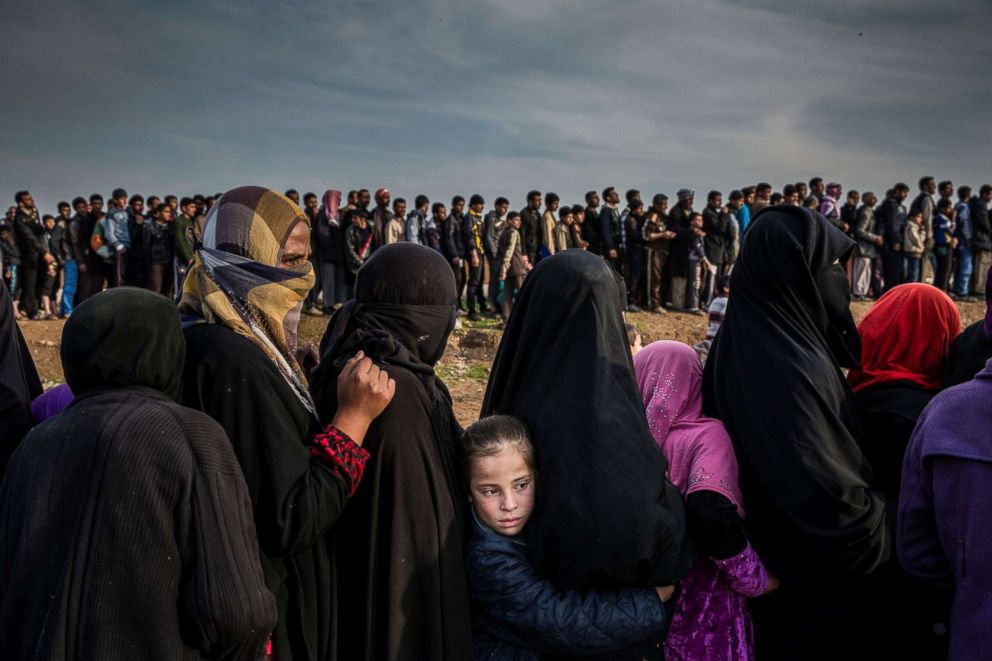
{"type": "Point", "coordinates": [19, 382]}
{"type": "Point", "coordinates": [605, 514]}
{"type": "Point", "coordinates": [969, 353]}
{"type": "Point", "coordinates": [125, 525]}
{"type": "Point", "coordinates": [400, 584]}
{"type": "Point", "coordinates": [773, 377]}
{"type": "Point", "coordinates": [296, 499]}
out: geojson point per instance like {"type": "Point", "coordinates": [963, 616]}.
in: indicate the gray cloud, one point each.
{"type": "Point", "coordinates": [496, 96]}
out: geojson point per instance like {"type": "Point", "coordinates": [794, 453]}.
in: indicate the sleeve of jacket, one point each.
{"type": "Point", "coordinates": [468, 235]}
{"type": "Point", "coordinates": [606, 233]}
{"type": "Point", "coordinates": [490, 236]}
{"type": "Point", "coordinates": [529, 611]}
{"type": "Point", "coordinates": [862, 228]}
{"type": "Point", "coordinates": [227, 611]}
{"type": "Point", "coordinates": [917, 538]}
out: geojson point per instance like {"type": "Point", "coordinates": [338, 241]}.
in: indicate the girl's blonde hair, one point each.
{"type": "Point", "coordinates": [489, 435]}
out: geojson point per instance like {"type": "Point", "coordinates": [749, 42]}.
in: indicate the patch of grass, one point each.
{"type": "Point", "coordinates": [478, 372]}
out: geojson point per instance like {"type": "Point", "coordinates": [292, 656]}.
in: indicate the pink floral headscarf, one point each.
{"type": "Point", "coordinates": [699, 452]}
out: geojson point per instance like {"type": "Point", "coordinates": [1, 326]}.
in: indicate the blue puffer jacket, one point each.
{"type": "Point", "coordinates": [520, 616]}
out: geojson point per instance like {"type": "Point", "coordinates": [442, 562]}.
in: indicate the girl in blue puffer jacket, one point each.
{"type": "Point", "coordinates": [519, 615]}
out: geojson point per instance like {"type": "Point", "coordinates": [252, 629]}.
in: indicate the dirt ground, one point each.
{"type": "Point", "coordinates": [466, 362]}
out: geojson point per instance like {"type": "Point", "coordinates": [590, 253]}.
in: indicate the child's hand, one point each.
{"type": "Point", "coordinates": [665, 593]}
{"type": "Point", "coordinates": [773, 584]}
{"type": "Point", "coordinates": [364, 392]}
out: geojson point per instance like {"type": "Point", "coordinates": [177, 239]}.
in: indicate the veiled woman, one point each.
{"type": "Point", "coordinates": [606, 516]}
{"type": "Point", "coordinates": [774, 378]}
{"type": "Point", "coordinates": [19, 382]}
{"type": "Point", "coordinates": [242, 301]}
{"type": "Point", "coordinates": [400, 579]}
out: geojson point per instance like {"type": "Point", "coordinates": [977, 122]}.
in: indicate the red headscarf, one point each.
{"type": "Point", "coordinates": [906, 336]}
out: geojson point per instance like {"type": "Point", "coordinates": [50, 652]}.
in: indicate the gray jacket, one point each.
{"type": "Point", "coordinates": [863, 232]}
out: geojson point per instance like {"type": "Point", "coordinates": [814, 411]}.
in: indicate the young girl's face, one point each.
{"type": "Point", "coordinates": [502, 490]}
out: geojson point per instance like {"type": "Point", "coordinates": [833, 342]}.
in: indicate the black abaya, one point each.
{"type": "Point", "coordinates": [19, 382]}
{"type": "Point", "coordinates": [773, 377]}
{"type": "Point", "coordinates": [969, 353]}
{"type": "Point", "coordinates": [399, 584]}
{"type": "Point", "coordinates": [605, 515]}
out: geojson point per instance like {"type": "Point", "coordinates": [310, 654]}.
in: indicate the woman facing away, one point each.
{"type": "Point", "coordinates": [241, 304]}
{"type": "Point", "coordinates": [712, 620]}
{"type": "Point", "coordinates": [400, 588]}
{"type": "Point", "coordinates": [518, 614]}
{"type": "Point", "coordinates": [564, 369]}
{"type": "Point", "coordinates": [773, 377]}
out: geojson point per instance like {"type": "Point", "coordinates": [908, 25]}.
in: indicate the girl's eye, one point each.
{"type": "Point", "coordinates": [489, 493]}
{"type": "Point", "coordinates": [521, 486]}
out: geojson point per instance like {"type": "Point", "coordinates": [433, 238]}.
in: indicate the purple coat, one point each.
{"type": "Point", "coordinates": [944, 534]}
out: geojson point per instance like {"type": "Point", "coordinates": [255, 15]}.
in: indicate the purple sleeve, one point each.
{"type": "Point", "coordinates": [745, 573]}
{"type": "Point", "coordinates": [917, 539]}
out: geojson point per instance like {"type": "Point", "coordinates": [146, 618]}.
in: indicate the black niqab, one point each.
{"type": "Point", "coordinates": [605, 515]}
{"type": "Point", "coordinates": [124, 337]}
{"type": "Point", "coordinates": [400, 586]}
{"type": "Point", "coordinates": [774, 378]}
{"type": "Point", "coordinates": [19, 382]}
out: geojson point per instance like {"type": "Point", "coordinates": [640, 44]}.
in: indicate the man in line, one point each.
{"type": "Point", "coordinates": [77, 250]}
{"type": "Point", "coordinates": [981, 240]}
{"type": "Point", "coordinates": [762, 198]}
{"type": "Point", "coordinates": [657, 240]}
{"type": "Point", "coordinates": [924, 203]}
{"type": "Point", "coordinates": [118, 236]}
{"type": "Point", "coordinates": [182, 236]}
{"type": "Point", "coordinates": [29, 236]}
{"type": "Point", "coordinates": [396, 227]}
{"type": "Point", "coordinates": [891, 221]}
{"type": "Point", "coordinates": [964, 232]}
{"type": "Point", "coordinates": [475, 254]}
{"type": "Point", "coordinates": [590, 226]}
{"type": "Point", "coordinates": [530, 228]}
{"type": "Point", "coordinates": [816, 188]}
{"type": "Point", "coordinates": [381, 216]}
{"type": "Point", "coordinates": [491, 230]}
{"type": "Point", "coordinates": [454, 245]}
{"type": "Point", "coordinates": [416, 220]}
{"type": "Point", "coordinates": [513, 263]}
{"type": "Point", "coordinates": [548, 221]}
{"type": "Point", "coordinates": [610, 230]}
{"type": "Point", "coordinates": [866, 250]}
{"type": "Point", "coordinates": [715, 224]}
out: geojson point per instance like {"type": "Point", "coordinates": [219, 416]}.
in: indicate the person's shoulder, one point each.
{"type": "Point", "coordinates": [227, 352]}
{"type": "Point", "coordinates": [487, 549]}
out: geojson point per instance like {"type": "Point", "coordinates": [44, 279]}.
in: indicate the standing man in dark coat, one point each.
{"type": "Point", "coordinates": [29, 235]}
{"type": "Point", "coordinates": [716, 223]}
{"type": "Point", "coordinates": [610, 232]}
{"type": "Point", "coordinates": [492, 228]}
{"type": "Point", "coordinates": [125, 522]}
{"type": "Point", "coordinates": [530, 219]}
{"type": "Point", "coordinates": [657, 239]}
{"type": "Point", "coordinates": [381, 216]}
{"type": "Point", "coordinates": [890, 222]}
{"type": "Point", "coordinates": [454, 244]}
{"type": "Point", "coordinates": [981, 241]}
{"type": "Point", "coordinates": [591, 227]}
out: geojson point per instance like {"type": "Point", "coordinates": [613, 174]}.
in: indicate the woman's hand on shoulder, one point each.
{"type": "Point", "coordinates": [364, 392]}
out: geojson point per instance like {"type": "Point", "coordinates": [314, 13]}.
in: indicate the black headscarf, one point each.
{"type": "Point", "coordinates": [400, 576]}
{"type": "Point", "coordinates": [124, 337]}
{"type": "Point", "coordinates": [19, 382]}
{"type": "Point", "coordinates": [773, 376]}
{"type": "Point", "coordinates": [605, 515]}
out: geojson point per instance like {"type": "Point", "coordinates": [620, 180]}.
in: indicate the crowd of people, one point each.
{"type": "Point", "coordinates": [670, 258]}
{"type": "Point", "coordinates": [203, 486]}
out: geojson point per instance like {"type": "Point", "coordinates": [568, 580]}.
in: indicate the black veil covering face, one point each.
{"type": "Point", "coordinates": [19, 382]}
{"type": "Point", "coordinates": [605, 515]}
{"type": "Point", "coordinates": [774, 378]}
{"type": "Point", "coordinates": [400, 585]}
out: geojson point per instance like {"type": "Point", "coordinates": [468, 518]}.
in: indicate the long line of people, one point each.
{"type": "Point", "coordinates": [206, 491]}
{"type": "Point", "coordinates": [670, 259]}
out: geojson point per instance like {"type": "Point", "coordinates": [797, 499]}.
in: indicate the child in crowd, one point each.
{"type": "Point", "coordinates": [716, 311]}
{"type": "Point", "coordinates": [944, 242]}
{"type": "Point", "coordinates": [633, 338]}
{"type": "Point", "coordinates": [698, 264]}
{"type": "Point", "coordinates": [519, 614]}
{"type": "Point", "coordinates": [712, 621]}
{"type": "Point", "coordinates": [913, 243]}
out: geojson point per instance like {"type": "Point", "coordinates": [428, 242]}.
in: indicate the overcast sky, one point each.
{"type": "Point", "coordinates": [491, 96]}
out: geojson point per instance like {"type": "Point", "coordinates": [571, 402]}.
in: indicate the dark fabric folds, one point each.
{"type": "Point", "coordinates": [400, 585]}
{"type": "Point", "coordinates": [773, 376]}
{"type": "Point", "coordinates": [606, 516]}
{"type": "Point", "coordinates": [124, 337]}
{"type": "Point", "coordinates": [19, 382]}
